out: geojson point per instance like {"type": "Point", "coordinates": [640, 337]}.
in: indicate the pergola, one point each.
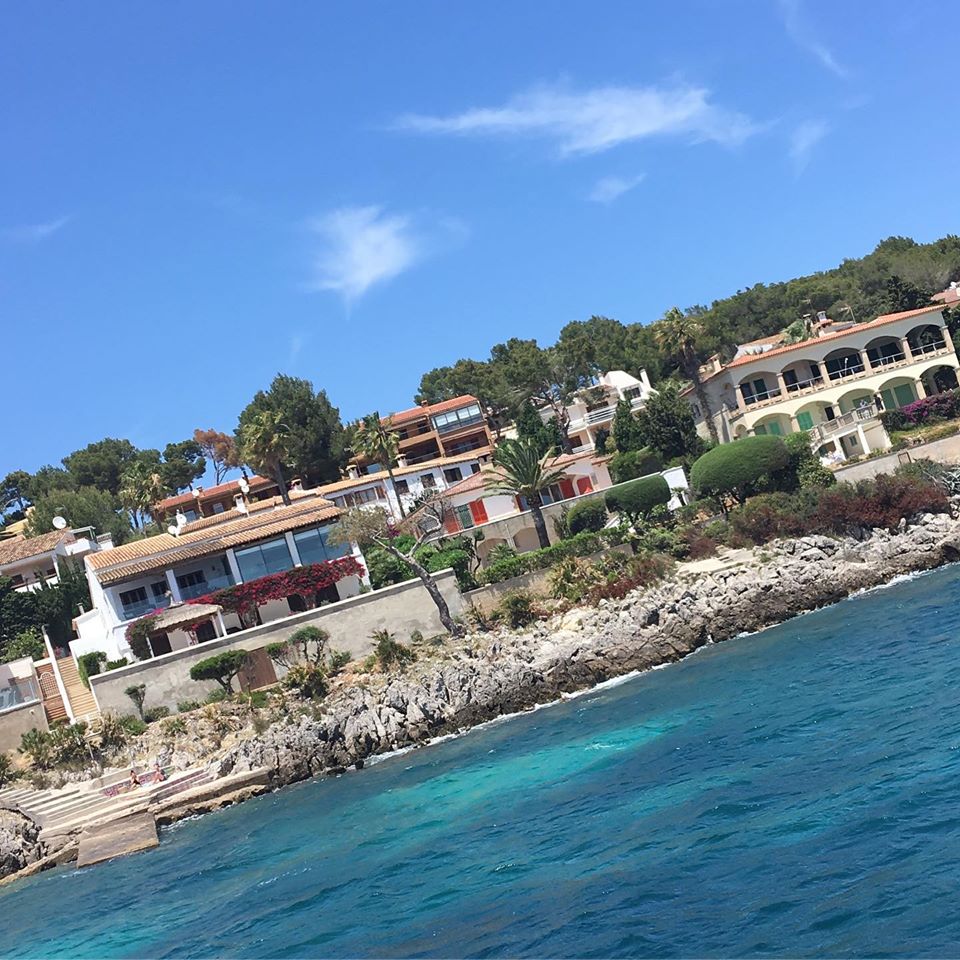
{"type": "Point", "coordinates": [187, 617]}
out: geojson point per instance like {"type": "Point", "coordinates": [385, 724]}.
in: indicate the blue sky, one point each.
{"type": "Point", "coordinates": [197, 196]}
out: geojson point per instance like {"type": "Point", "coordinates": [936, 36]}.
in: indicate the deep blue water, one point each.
{"type": "Point", "coordinates": [793, 793]}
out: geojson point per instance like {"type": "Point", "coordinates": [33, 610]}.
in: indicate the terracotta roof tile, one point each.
{"type": "Point", "coordinates": [415, 413]}
{"type": "Point", "coordinates": [214, 493]}
{"type": "Point", "coordinates": [164, 550]}
{"type": "Point", "coordinates": [22, 548]}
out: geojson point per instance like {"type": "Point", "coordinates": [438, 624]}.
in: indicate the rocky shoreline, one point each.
{"type": "Point", "coordinates": [488, 675]}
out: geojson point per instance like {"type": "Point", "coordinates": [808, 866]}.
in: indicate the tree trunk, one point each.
{"type": "Point", "coordinates": [450, 625]}
{"type": "Point", "coordinates": [540, 525]}
{"type": "Point", "coordinates": [393, 483]}
{"type": "Point", "coordinates": [278, 477]}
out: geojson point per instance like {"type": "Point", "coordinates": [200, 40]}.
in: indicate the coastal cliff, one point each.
{"type": "Point", "coordinates": [503, 672]}
{"type": "Point", "coordinates": [487, 675]}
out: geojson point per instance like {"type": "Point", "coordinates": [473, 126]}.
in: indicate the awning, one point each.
{"type": "Point", "coordinates": [184, 614]}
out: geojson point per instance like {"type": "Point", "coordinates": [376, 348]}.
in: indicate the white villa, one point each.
{"type": "Point", "coordinates": [32, 561]}
{"type": "Point", "coordinates": [594, 407]}
{"type": "Point", "coordinates": [833, 384]}
{"type": "Point", "coordinates": [244, 544]}
{"type": "Point", "coordinates": [411, 482]}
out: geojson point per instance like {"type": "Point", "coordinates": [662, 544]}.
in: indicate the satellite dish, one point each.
{"type": "Point", "coordinates": [173, 530]}
{"type": "Point", "coordinates": [60, 523]}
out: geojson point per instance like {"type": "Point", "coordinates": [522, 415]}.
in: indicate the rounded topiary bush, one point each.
{"type": "Point", "coordinates": [630, 464]}
{"type": "Point", "coordinates": [735, 468]}
{"type": "Point", "coordinates": [588, 515]}
{"type": "Point", "coordinates": [637, 498]}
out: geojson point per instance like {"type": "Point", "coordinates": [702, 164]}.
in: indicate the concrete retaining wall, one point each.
{"type": "Point", "coordinates": [401, 609]}
{"type": "Point", "coordinates": [17, 720]}
{"type": "Point", "coordinates": [946, 450]}
{"type": "Point", "coordinates": [486, 599]}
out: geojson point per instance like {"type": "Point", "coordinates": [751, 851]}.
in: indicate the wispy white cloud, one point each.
{"type": "Point", "coordinates": [358, 247]}
{"type": "Point", "coordinates": [804, 138]}
{"type": "Point", "coordinates": [595, 120]}
{"type": "Point", "coordinates": [608, 189]}
{"type": "Point", "coordinates": [801, 35]}
{"type": "Point", "coordinates": [34, 232]}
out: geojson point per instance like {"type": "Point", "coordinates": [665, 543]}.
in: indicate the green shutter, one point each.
{"type": "Point", "coordinates": [904, 394]}
{"type": "Point", "coordinates": [775, 428]}
{"type": "Point", "coordinates": [760, 428]}
{"type": "Point", "coordinates": [887, 397]}
{"type": "Point", "coordinates": [805, 420]}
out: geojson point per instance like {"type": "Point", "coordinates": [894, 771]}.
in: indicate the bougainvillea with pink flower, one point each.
{"type": "Point", "coordinates": [307, 582]}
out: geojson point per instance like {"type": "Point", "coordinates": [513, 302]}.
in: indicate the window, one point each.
{"type": "Point", "coordinates": [218, 507]}
{"type": "Point", "coordinates": [455, 419]}
{"type": "Point", "coordinates": [131, 597]}
{"type": "Point", "coordinates": [464, 516]}
{"type": "Point", "coordinates": [453, 475]}
{"type": "Point", "coordinates": [195, 578]}
{"type": "Point", "coordinates": [205, 631]}
{"type": "Point", "coordinates": [466, 445]}
{"type": "Point", "coordinates": [428, 481]}
{"type": "Point", "coordinates": [314, 547]}
{"type": "Point", "coordinates": [359, 497]}
{"type": "Point", "coordinates": [474, 467]}
{"type": "Point", "coordinates": [191, 515]}
{"type": "Point", "coordinates": [159, 589]}
{"type": "Point", "coordinates": [402, 486]}
{"type": "Point", "coordinates": [631, 392]}
{"type": "Point", "coordinates": [270, 557]}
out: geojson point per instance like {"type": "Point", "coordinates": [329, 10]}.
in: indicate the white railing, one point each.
{"type": "Point", "coordinates": [854, 417]}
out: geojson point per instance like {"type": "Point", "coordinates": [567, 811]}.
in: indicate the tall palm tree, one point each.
{"type": "Point", "coordinates": [678, 334]}
{"type": "Point", "coordinates": [141, 486]}
{"type": "Point", "coordinates": [263, 445]}
{"type": "Point", "coordinates": [518, 470]}
{"type": "Point", "coordinates": [375, 442]}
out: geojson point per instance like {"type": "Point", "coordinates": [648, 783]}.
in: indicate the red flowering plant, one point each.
{"type": "Point", "coordinates": [308, 582]}
{"type": "Point", "coordinates": [138, 634]}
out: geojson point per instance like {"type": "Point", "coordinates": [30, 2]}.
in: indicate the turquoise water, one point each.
{"type": "Point", "coordinates": [793, 793]}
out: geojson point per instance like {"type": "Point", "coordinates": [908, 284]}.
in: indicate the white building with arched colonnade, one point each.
{"type": "Point", "coordinates": [833, 384]}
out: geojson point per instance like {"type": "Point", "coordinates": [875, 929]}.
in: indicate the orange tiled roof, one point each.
{"type": "Point", "coordinates": [165, 550]}
{"type": "Point", "coordinates": [859, 328]}
{"type": "Point", "coordinates": [22, 548]}
{"type": "Point", "coordinates": [415, 413]}
{"type": "Point", "coordinates": [213, 493]}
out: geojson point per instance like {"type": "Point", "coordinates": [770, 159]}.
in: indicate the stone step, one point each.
{"type": "Point", "coordinates": [130, 834]}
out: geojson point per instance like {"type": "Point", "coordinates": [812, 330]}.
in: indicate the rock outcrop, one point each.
{"type": "Point", "coordinates": [499, 673]}
{"type": "Point", "coordinates": [19, 843]}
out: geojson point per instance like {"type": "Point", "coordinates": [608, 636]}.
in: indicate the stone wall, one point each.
{"type": "Point", "coordinates": [17, 720]}
{"type": "Point", "coordinates": [946, 450]}
{"type": "Point", "coordinates": [486, 599]}
{"type": "Point", "coordinates": [401, 609]}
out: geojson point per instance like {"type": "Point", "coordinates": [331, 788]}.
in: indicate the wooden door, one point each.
{"type": "Point", "coordinates": [258, 672]}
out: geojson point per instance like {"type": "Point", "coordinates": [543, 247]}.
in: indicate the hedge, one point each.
{"type": "Point", "coordinates": [637, 498]}
{"type": "Point", "coordinates": [735, 468]}
{"type": "Point", "coordinates": [588, 515]}
{"type": "Point", "coordinates": [582, 545]}
{"type": "Point", "coordinates": [631, 464]}
{"type": "Point", "coordinates": [943, 406]}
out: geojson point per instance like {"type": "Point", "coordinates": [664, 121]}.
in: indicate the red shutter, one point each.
{"type": "Point", "coordinates": [478, 511]}
{"type": "Point", "coordinates": [451, 524]}
{"type": "Point", "coordinates": [584, 485]}
{"type": "Point", "coordinates": [566, 488]}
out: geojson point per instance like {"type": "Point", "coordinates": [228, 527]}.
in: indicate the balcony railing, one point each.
{"type": "Point", "coordinates": [16, 692]}
{"type": "Point", "coordinates": [929, 348]}
{"type": "Point", "coordinates": [823, 431]}
{"type": "Point", "coordinates": [460, 424]}
{"type": "Point", "coordinates": [199, 589]}
{"type": "Point", "coordinates": [133, 611]}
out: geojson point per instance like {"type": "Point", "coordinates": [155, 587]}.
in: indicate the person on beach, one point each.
{"type": "Point", "coordinates": [134, 779]}
{"type": "Point", "coordinates": [159, 775]}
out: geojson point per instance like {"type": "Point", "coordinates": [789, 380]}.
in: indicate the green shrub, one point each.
{"type": "Point", "coordinates": [64, 744]}
{"type": "Point", "coordinates": [131, 725]}
{"type": "Point", "coordinates": [518, 608]}
{"type": "Point", "coordinates": [88, 665]}
{"type": "Point", "coordinates": [588, 515]}
{"type": "Point", "coordinates": [221, 668]}
{"type": "Point", "coordinates": [804, 469]}
{"type": "Point", "coordinates": [27, 643]}
{"type": "Point", "coordinates": [642, 571]}
{"type": "Point", "coordinates": [117, 664]}
{"type": "Point", "coordinates": [894, 420]}
{"type": "Point", "coordinates": [113, 734]}
{"type": "Point", "coordinates": [338, 660]}
{"type": "Point", "coordinates": [309, 681]}
{"type": "Point", "coordinates": [216, 695]}
{"type": "Point", "coordinates": [388, 652]}
{"type": "Point", "coordinates": [736, 469]}
{"type": "Point", "coordinates": [185, 706]}
{"type": "Point", "coordinates": [636, 499]}
{"type": "Point", "coordinates": [174, 727]}
{"type": "Point", "coordinates": [6, 768]}
{"type": "Point", "coordinates": [502, 551]}
{"type": "Point", "coordinates": [631, 464]}
{"type": "Point", "coordinates": [155, 713]}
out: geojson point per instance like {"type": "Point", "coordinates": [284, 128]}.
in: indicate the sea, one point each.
{"type": "Point", "coordinates": [791, 793]}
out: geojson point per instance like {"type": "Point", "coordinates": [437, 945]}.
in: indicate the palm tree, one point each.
{"type": "Point", "coordinates": [141, 487]}
{"type": "Point", "coordinates": [678, 335]}
{"type": "Point", "coordinates": [519, 470]}
{"type": "Point", "coordinates": [263, 445]}
{"type": "Point", "coordinates": [375, 442]}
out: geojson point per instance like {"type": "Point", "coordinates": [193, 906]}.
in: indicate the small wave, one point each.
{"type": "Point", "coordinates": [896, 581]}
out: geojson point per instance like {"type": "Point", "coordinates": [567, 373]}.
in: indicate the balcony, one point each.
{"type": "Point", "coordinates": [461, 424]}
{"type": "Point", "coordinates": [199, 589]}
{"type": "Point", "coordinates": [134, 611]}
{"type": "Point", "coordinates": [824, 431]}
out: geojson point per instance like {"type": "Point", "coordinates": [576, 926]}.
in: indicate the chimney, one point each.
{"type": "Point", "coordinates": [821, 316]}
{"type": "Point", "coordinates": [296, 485]}
{"type": "Point", "coordinates": [401, 459]}
{"type": "Point", "coordinates": [353, 471]}
{"type": "Point", "coordinates": [181, 520]}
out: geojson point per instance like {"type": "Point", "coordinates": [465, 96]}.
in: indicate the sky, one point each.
{"type": "Point", "coordinates": [197, 196]}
